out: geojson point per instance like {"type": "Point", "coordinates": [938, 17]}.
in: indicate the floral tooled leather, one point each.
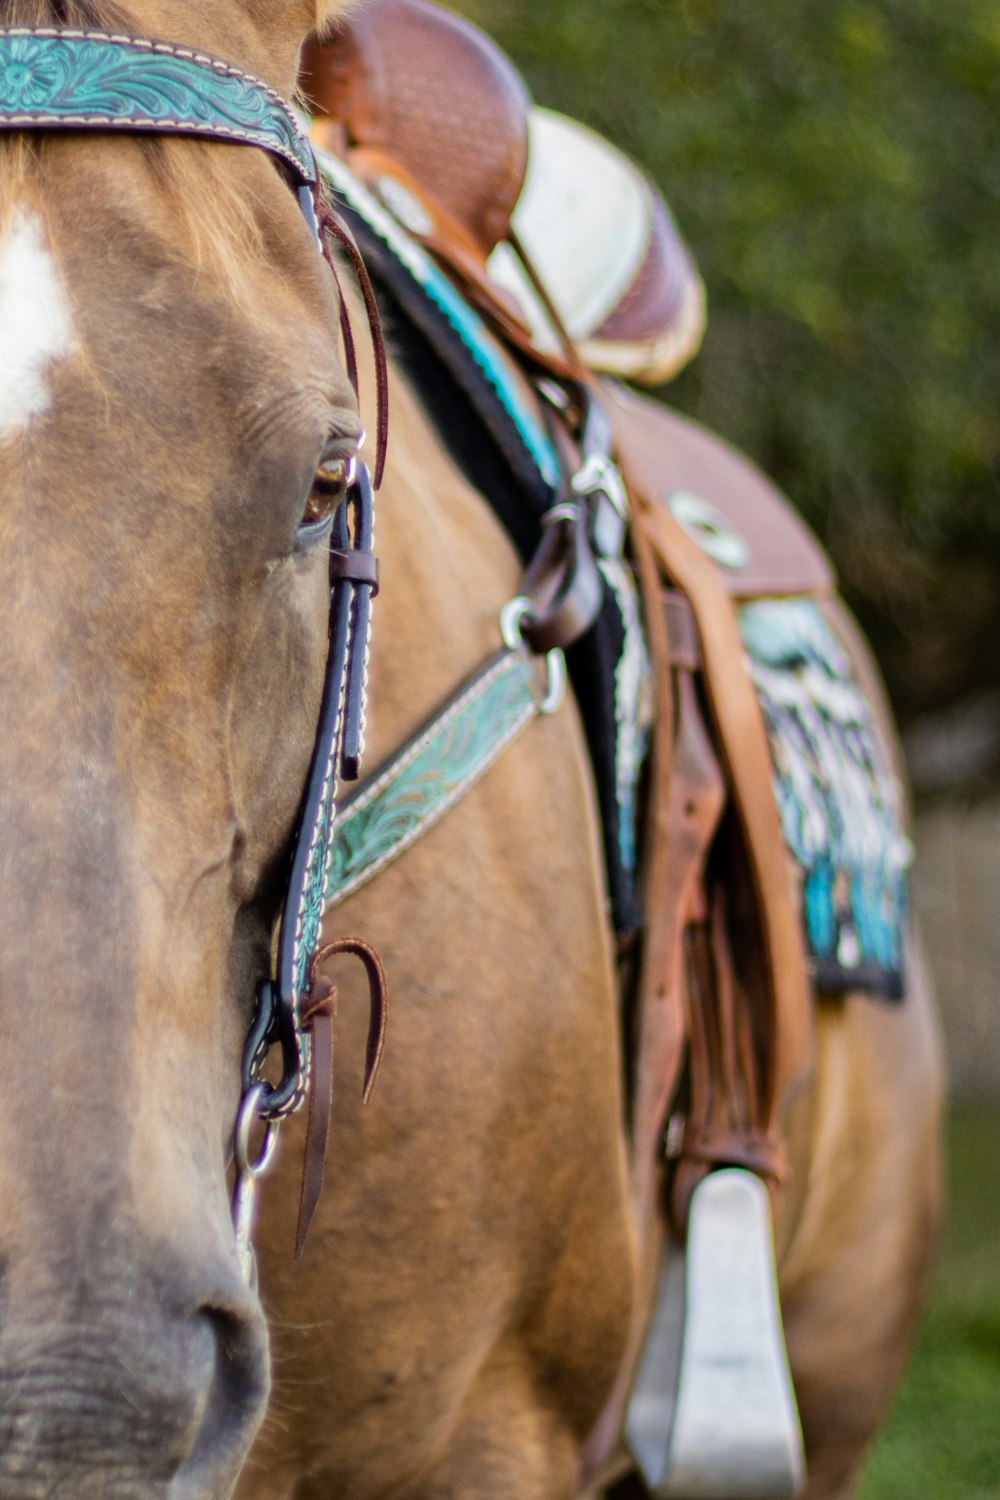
{"type": "Point", "coordinates": [56, 77]}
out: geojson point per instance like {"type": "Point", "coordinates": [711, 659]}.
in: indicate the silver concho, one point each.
{"type": "Point", "coordinates": [711, 530]}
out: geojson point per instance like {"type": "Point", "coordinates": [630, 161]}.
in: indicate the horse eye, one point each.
{"type": "Point", "coordinates": [330, 486]}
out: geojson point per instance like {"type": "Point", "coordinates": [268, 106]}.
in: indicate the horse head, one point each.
{"type": "Point", "coordinates": [169, 385]}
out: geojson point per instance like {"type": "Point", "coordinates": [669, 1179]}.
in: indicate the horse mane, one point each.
{"type": "Point", "coordinates": [211, 210]}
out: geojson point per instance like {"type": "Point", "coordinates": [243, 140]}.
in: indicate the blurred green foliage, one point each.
{"type": "Point", "coordinates": [943, 1438]}
{"type": "Point", "coordinates": [836, 169]}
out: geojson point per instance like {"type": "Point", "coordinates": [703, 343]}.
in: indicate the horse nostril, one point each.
{"type": "Point", "coordinates": [241, 1360]}
{"type": "Point", "coordinates": [236, 1399]}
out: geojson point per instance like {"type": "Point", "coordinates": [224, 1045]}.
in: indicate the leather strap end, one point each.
{"type": "Point", "coordinates": [378, 995]}
{"type": "Point", "coordinates": [318, 1021]}
{"type": "Point", "coordinates": [318, 1017]}
{"type": "Point", "coordinates": [376, 1030]}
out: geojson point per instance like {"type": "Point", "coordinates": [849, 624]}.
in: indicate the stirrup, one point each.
{"type": "Point", "coordinates": [713, 1412]}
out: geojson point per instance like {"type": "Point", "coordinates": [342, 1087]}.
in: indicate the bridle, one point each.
{"type": "Point", "coordinates": [57, 78]}
{"type": "Point", "coordinates": [64, 79]}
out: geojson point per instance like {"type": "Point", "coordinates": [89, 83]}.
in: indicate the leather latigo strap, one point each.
{"type": "Point", "coordinates": [688, 1003]}
{"type": "Point", "coordinates": [729, 1116]}
{"type": "Point", "coordinates": [687, 822]}
{"type": "Point", "coordinates": [783, 995]}
{"type": "Point", "coordinates": [727, 1120]}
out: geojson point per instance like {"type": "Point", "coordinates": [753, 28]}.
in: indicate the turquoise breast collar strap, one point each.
{"type": "Point", "coordinates": [445, 758]}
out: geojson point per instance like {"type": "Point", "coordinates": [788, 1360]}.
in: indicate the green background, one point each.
{"type": "Point", "coordinates": [836, 170]}
{"type": "Point", "coordinates": [943, 1439]}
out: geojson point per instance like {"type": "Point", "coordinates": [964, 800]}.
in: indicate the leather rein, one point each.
{"type": "Point", "coordinates": [68, 80]}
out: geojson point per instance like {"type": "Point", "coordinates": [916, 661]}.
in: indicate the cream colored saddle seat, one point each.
{"type": "Point", "coordinates": [604, 245]}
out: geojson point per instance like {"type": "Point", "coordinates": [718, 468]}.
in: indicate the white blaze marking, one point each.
{"type": "Point", "coordinates": [36, 324]}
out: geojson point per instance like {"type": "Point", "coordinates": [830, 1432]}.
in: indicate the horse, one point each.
{"type": "Point", "coordinates": [169, 341]}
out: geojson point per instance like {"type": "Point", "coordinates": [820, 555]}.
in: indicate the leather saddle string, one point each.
{"type": "Point", "coordinates": [558, 323]}
{"type": "Point", "coordinates": [318, 1014]}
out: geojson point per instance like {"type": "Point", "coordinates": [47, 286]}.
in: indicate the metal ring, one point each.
{"type": "Point", "coordinates": [555, 687]}
{"type": "Point", "coordinates": [250, 1112]}
{"type": "Point", "coordinates": [512, 617]}
{"type": "Point", "coordinates": [568, 510]}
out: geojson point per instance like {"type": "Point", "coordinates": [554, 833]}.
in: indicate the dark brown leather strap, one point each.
{"type": "Point", "coordinates": [332, 224]}
{"type": "Point", "coordinates": [564, 585]}
{"type": "Point", "coordinates": [318, 1015]}
{"type": "Point", "coordinates": [358, 566]}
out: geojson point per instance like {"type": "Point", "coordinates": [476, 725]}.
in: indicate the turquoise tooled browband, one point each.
{"type": "Point", "coordinates": [55, 78]}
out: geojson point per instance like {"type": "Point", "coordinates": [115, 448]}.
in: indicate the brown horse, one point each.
{"type": "Point", "coordinates": [168, 347]}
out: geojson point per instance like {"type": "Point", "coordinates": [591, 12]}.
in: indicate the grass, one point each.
{"type": "Point", "coordinates": [943, 1439]}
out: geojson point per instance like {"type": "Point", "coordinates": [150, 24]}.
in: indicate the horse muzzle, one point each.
{"type": "Point", "coordinates": [139, 1398]}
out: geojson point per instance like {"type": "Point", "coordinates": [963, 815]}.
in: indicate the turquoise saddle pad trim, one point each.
{"type": "Point", "coordinates": [839, 800]}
